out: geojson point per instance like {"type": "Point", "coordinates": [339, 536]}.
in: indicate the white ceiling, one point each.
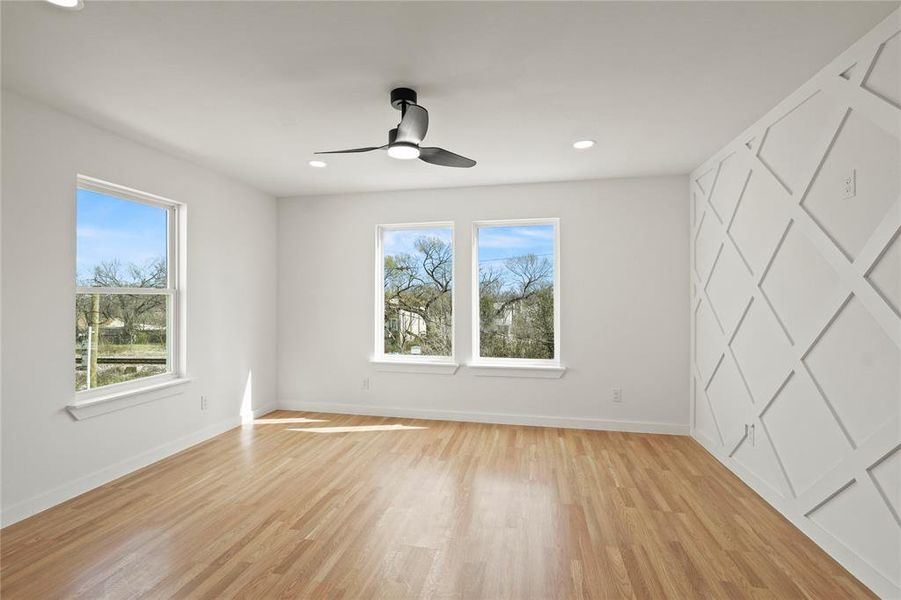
{"type": "Point", "coordinates": [251, 89]}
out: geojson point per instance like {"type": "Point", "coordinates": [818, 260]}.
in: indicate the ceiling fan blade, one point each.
{"type": "Point", "coordinates": [413, 126]}
{"type": "Point", "coordinates": [352, 150]}
{"type": "Point", "coordinates": [445, 158]}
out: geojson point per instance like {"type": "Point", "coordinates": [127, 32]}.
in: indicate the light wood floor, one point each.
{"type": "Point", "coordinates": [330, 506]}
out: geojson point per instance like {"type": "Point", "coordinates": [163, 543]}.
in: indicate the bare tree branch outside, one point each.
{"type": "Point", "coordinates": [418, 284]}
{"type": "Point", "coordinates": [120, 336]}
{"type": "Point", "coordinates": [516, 292]}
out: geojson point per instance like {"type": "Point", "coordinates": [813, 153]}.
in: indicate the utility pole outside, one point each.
{"type": "Point", "coordinates": [94, 340]}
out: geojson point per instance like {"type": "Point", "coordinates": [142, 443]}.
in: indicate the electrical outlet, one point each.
{"type": "Point", "coordinates": [203, 403]}
{"type": "Point", "coordinates": [849, 185]}
{"type": "Point", "coordinates": [365, 384]}
{"type": "Point", "coordinates": [617, 394]}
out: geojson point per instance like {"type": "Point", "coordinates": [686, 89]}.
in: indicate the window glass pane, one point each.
{"type": "Point", "coordinates": [120, 243]}
{"type": "Point", "coordinates": [120, 337]}
{"type": "Point", "coordinates": [418, 280]}
{"type": "Point", "coordinates": [516, 291]}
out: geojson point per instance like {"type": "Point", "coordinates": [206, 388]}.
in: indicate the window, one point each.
{"type": "Point", "coordinates": [414, 296]}
{"type": "Point", "coordinates": [516, 296]}
{"type": "Point", "coordinates": [126, 286]}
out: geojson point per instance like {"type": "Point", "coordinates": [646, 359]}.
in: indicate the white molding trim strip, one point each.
{"type": "Point", "coordinates": [413, 366]}
{"type": "Point", "coordinates": [77, 487]}
{"type": "Point", "coordinates": [478, 369]}
{"type": "Point", "coordinates": [126, 398]}
{"type": "Point", "coordinates": [490, 418]}
{"type": "Point", "coordinates": [513, 370]}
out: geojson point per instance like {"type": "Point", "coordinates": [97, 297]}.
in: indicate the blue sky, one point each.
{"type": "Point", "coordinates": [110, 228]}
{"type": "Point", "coordinates": [496, 244]}
{"type": "Point", "coordinates": [402, 241]}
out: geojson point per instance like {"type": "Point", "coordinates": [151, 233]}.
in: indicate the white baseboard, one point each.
{"type": "Point", "coordinates": [43, 501]}
{"type": "Point", "coordinates": [850, 561]}
{"type": "Point", "coordinates": [494, 418]}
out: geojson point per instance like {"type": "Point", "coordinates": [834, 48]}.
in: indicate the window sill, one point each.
{"type": "Point", "coordinates": [117, 400]}
{"type": "Point", "coordinates": [415, 366]}
{"type": "Point", "coordinates": [481, 369]}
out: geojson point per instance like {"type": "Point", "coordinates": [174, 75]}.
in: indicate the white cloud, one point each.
{"type": "Point", "coordinates": [400, 241]}
{"type": "Point", "coordinates": [516, 237]}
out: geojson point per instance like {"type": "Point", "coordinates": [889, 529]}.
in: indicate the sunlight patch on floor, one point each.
{"type": "Point", "coordinates": [358, 428]}
{"type": "Point", "coordinates": [277, 420]}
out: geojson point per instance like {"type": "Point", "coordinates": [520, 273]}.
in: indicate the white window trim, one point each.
{"type": "Point", "coordinates": [522, 368]}
{"type": "Point", "coordinates": [437, 367]}
{"type": "Point", "coordinates": [402, 363]}
{"type": "Point", "coordinates": [93, 402]}
{"type": "Point", "coordinates": [155, 387]}
{"type": "Point", "coordinates": [551, 368]}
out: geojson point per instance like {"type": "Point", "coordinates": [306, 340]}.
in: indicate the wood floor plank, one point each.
{"type": "Point", "coordinates": [307, 505]}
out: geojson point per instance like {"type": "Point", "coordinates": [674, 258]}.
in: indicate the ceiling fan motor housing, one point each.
{"type": "Point", "coordinates": [401, 96]}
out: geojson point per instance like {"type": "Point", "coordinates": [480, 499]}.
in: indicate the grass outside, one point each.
{"type": "Point", "coordinates": [110, 374]}
{"type": "Point", "coordinates": [145, 350]}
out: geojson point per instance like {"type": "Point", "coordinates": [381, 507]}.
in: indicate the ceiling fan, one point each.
{"type": "Point", "coordinates": [405, 139]}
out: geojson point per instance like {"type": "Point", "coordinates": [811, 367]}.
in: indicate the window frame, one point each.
{"type": "Point", "coordinates": [443, 363]}
{"type": "Point", "coordinates": [552, 366]}
{"type": "Point", "coordinates": [174, 290]}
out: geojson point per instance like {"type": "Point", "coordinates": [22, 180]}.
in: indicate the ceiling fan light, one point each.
{"type": "Point", "coordinates": [583, 144]}
{"type": "Point", "coordinates": [403, 151]}
{"type": "Point", "coordinates": [68, 4]}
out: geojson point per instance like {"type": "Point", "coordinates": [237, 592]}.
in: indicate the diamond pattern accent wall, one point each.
{"type": "Point", "coordinates": [796, 320]}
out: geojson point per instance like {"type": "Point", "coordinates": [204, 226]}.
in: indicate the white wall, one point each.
{"type": "Point", "coordinates": [624, 305]}
{"type": "Point", "coordinates": [796, 312]}
{"type": "Point", "coordinates": [231, 306]}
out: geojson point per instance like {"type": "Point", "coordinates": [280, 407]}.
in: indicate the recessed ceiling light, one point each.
{"type": "Point", "coordinates": [68, 4]}
{"type": "Point", "coordinates": [318, 164]}
{"type": "Point", "coordinates": [583, 144]}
